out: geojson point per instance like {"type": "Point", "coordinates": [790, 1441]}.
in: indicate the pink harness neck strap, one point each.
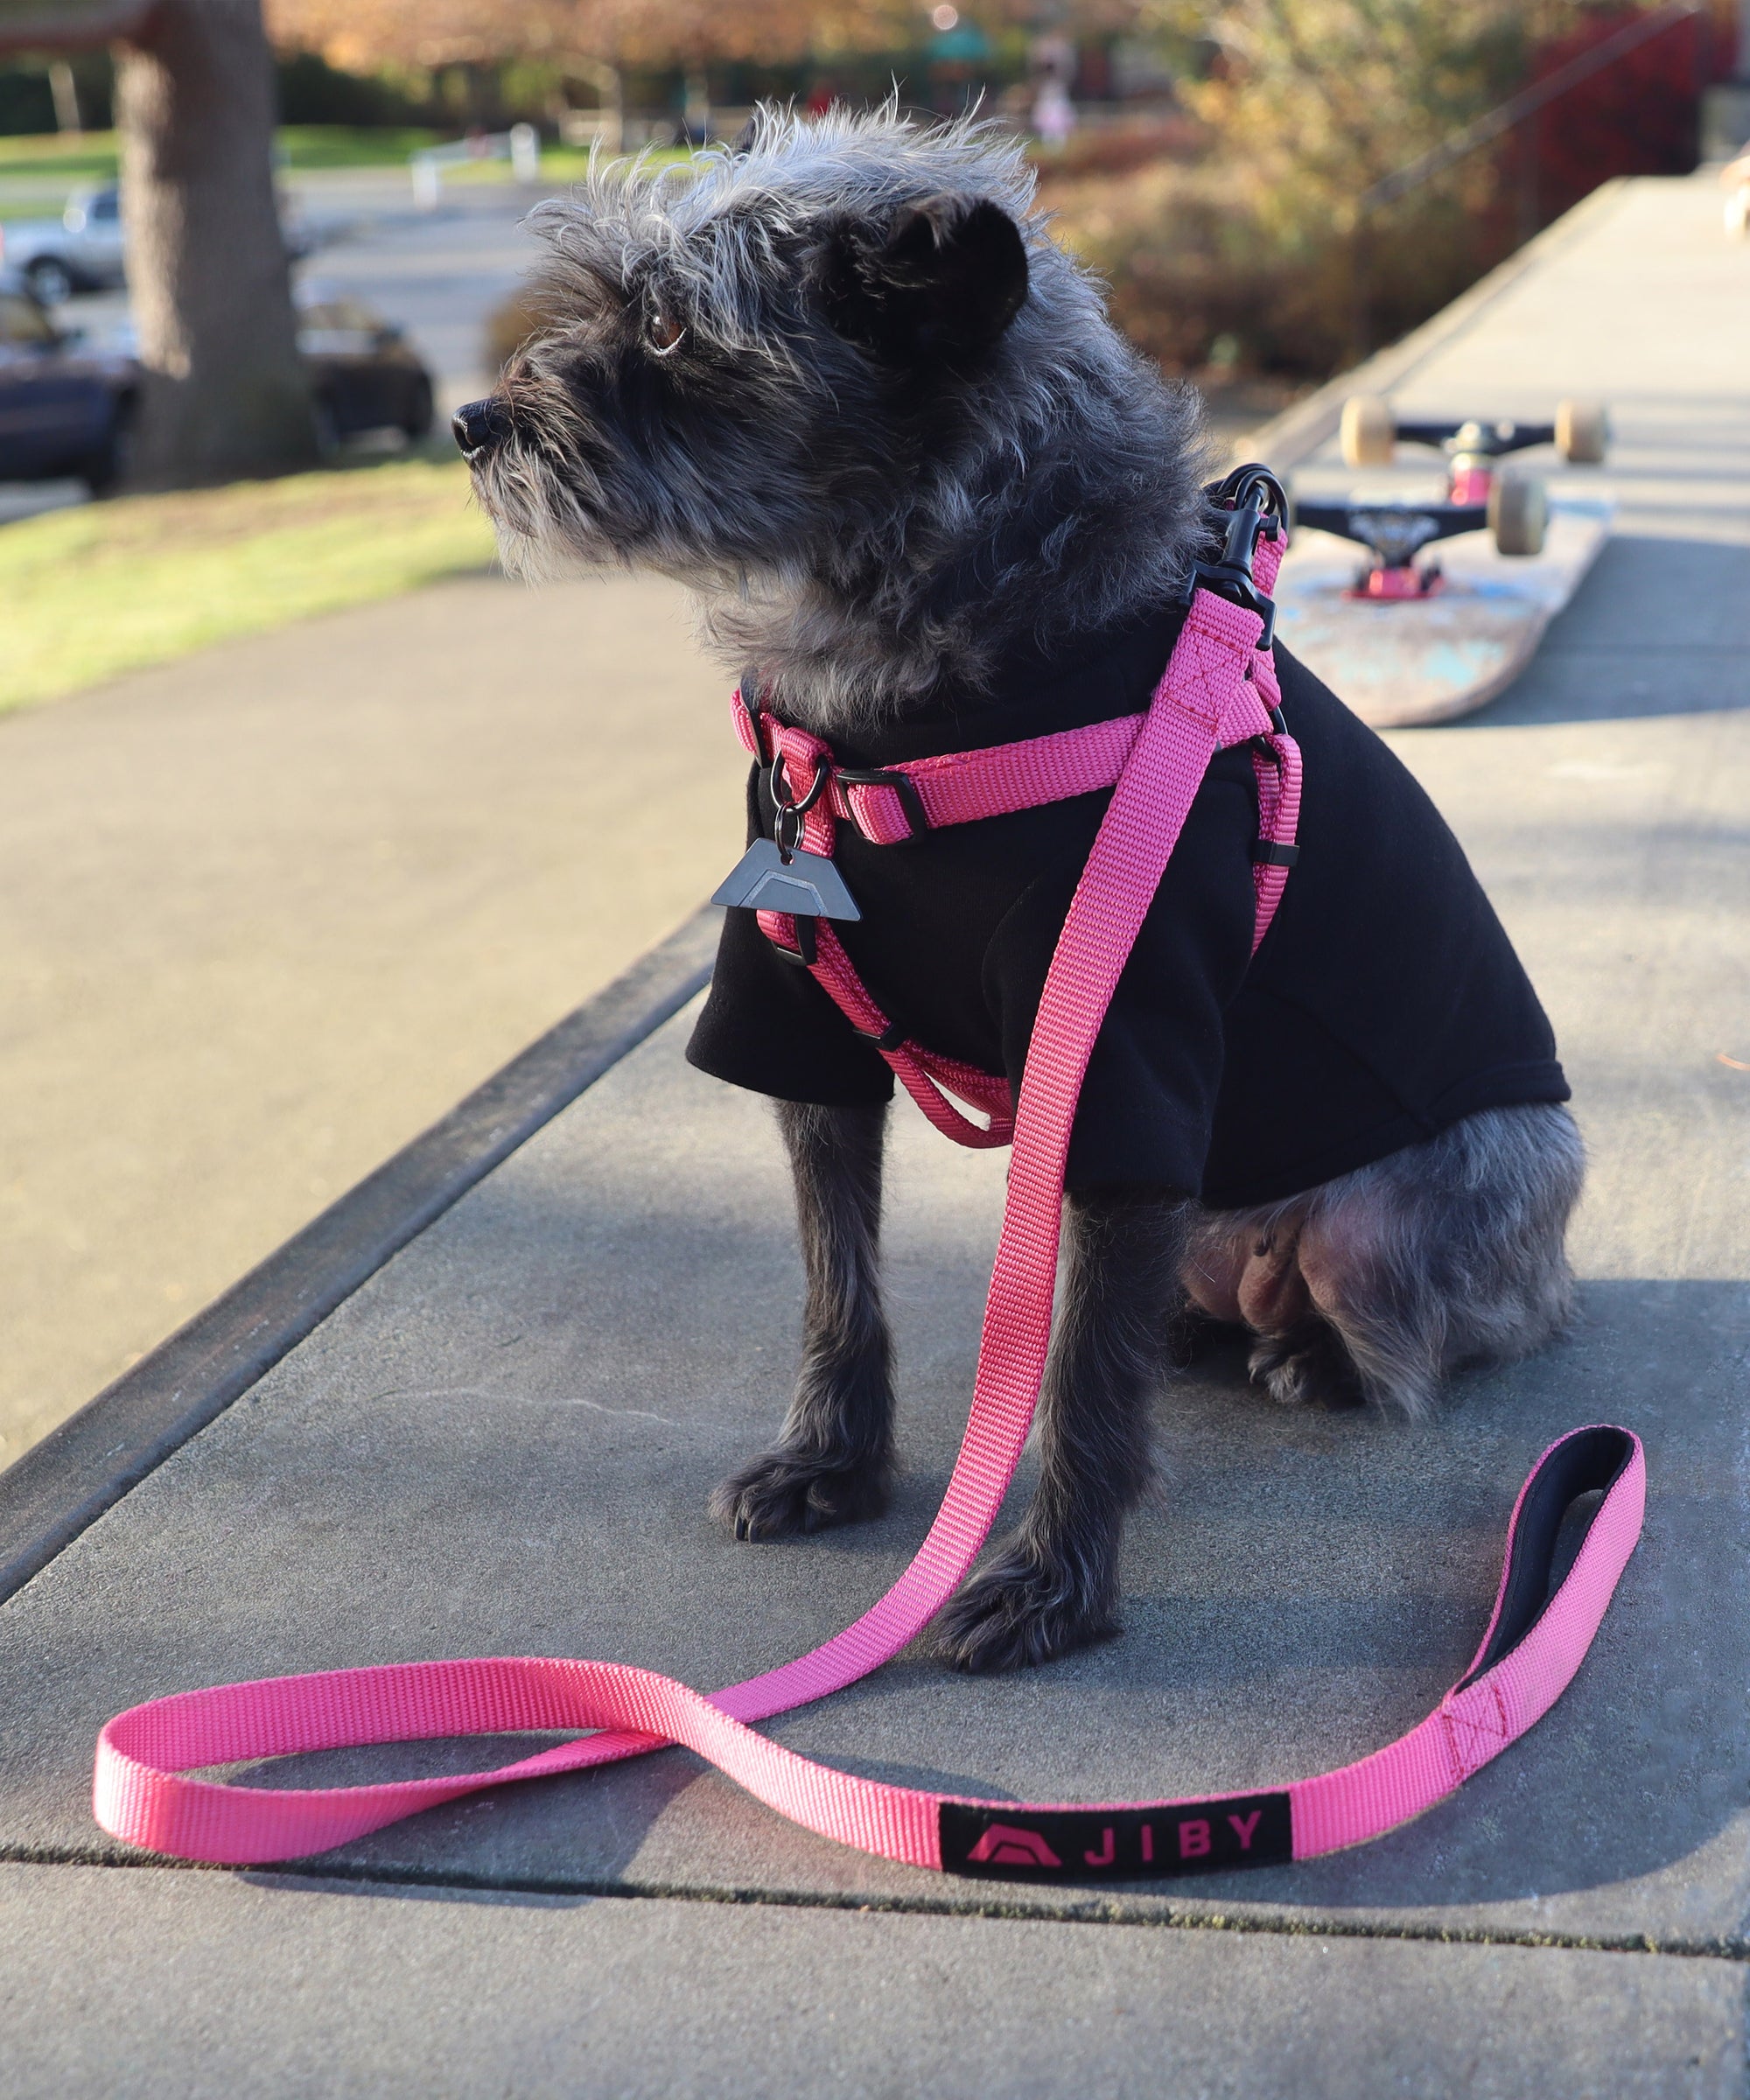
{"type": "Point", "coordinates": [143, 1791]}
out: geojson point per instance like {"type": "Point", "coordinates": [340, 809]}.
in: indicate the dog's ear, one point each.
{"type": "Point", "coordinates": [939, 287]}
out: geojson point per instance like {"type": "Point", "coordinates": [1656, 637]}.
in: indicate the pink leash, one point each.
{"type": "Point", "coordinates": [1219, 689]}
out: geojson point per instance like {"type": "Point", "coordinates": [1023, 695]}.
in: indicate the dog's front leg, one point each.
{"type": "Point", "coordinates": [834, 1460]}
{"type": "Point", "coordinates": [1054, 1584]}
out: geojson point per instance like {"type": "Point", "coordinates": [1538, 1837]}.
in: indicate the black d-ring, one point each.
{"type": "Point", "coordinates": [788, 827]}
{"type": "Point", "coordinates": [822, 774]}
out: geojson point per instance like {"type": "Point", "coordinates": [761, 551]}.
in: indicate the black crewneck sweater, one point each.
{"type": "Point", "coordinates": [1385, 1003]}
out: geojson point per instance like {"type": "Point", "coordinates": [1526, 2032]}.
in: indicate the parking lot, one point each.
{"type": "Point", "coordinates": [437, 274]}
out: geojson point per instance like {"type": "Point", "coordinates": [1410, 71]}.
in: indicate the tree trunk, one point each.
{"type": "Point", "coordinates": [224, 393]}
{"type": "Point", "coordinates": [64, 90]}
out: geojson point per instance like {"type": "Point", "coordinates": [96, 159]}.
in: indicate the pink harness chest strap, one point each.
{"type": "Point", "coordinates": [143, 1789]}
{"type": "Point", "coordinates": [1222, 687]}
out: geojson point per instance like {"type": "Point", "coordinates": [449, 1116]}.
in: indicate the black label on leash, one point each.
{"type": "Point", "coordinates": [1006, 1843]}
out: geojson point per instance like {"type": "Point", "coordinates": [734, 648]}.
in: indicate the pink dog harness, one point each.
{"type": "Point", "coordinates": [1219, 691]}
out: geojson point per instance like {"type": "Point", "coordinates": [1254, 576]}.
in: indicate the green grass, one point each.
{"type": "Point", "coordinates": [303, 148]}
{"type": "Point", "coordinates": [111, 587]}
{"type": "Point", "coordinates": [349, 145]}
{"type": "Point", "coordinates": [89, 158]}
{"type": "Point", "coordinates": [92, 157]}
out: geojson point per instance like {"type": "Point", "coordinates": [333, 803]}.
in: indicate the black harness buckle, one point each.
{"type": "Point", "coordinates": [902, 784]}
{"type": "Point", "coordinates": [806, 953]}
{"type": "Point", "coordinates": [747, 696]}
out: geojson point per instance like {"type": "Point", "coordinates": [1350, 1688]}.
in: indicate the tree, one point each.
{"type": "Point", "coordinates": [223, 392]}
{"type": "Point", "coordinates": [1320, 99]}
{"type": "Point", "coordinates": [362, 34]}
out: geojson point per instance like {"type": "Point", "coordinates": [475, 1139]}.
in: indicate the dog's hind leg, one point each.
{"type": "Point", "coordinates": [1446, 1253]}
{"type": "Point", "coordinates": [1054, 1584]}
{"type": "Point", "coordinates": [833, 1462]}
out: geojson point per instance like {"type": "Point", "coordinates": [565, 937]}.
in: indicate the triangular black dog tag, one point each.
{"type": "Point", "coordinates": [807, 885]}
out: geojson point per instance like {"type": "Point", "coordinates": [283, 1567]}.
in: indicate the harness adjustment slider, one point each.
{"type": "Point", "coordinates": [902, 785]}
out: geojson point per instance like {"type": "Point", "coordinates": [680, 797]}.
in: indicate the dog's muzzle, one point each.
{"type": "Point", "coordinates": [481, 425]}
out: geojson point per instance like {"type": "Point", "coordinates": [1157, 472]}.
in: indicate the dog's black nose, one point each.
{"type": "Point", "coordinates": [478, 425]}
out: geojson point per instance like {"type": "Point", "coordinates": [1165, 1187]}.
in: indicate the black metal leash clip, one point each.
{"type": "Point", "coordinates": [1258, 505]}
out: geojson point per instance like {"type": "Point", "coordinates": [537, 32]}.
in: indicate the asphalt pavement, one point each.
{"type": "Point", "coordinates": [501, 1443]}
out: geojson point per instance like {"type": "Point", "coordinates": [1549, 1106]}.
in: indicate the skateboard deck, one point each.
{"type": "Point", "coordinates": [1398, 662]}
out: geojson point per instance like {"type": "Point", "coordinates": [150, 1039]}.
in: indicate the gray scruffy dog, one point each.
{"type": "Point", "coordinates": [840, 380]}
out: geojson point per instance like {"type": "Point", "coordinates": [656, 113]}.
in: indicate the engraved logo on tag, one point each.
{"type": "Point", "coordinates": [807, 885]}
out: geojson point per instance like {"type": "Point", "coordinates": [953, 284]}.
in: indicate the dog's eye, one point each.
{"type": "Point", "coordinates": [664, 333]}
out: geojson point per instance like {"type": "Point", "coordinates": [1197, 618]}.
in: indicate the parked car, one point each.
{"type": "Point", "coordinates": [66, 404]}
{"type": "Point", "coordinates": [65, 407]}
{"type": "Point", "coordinates": [83, 249]}
{"type": "Point", "coordinates": [80, 251]}
{"type": "Point", "coordinates": [364, 373]}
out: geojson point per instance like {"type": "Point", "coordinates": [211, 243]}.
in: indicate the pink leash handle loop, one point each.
{"type": "Point", "coordinates": [1532, 1647]}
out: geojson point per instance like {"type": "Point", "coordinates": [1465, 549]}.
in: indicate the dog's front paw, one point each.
{"type": "Point", "coordinates": [1308, 1367]}
{"type": "Point", "coordinates": [782, 1493]}
{"type": "Point", "coordinates": [1019, 1612]}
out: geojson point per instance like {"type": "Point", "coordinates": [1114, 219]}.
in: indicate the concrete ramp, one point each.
{"type": "Point", "coordinates": [494, 1432]}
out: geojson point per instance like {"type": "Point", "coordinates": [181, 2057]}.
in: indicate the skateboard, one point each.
{"type": "Point", "coordinates": [1406, 640]}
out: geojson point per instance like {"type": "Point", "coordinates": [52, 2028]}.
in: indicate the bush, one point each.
{"type": "Point", "coordinates": [313, 92]}
{"type": "Point", "coordinates": [26, 105]}
{"type": "Point", "coordinates": [1269, 250]}
{"type": "Point", "coordinates": [1254, 251]}
{"type": "Point", "coordinates": [1204, 271]}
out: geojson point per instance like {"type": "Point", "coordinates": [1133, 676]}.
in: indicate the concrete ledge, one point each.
{"type": "Point", "coordinates": [86, 1466]}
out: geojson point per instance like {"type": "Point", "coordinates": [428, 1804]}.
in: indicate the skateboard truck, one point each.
{"type": "Point", "coordinates": [1478, 497]}
{"type": "Point", "coordinates": [1472, 449]}
{"type": "Point", "coordinates": [1394, 534]}
{"type": "Point", "coordinates": [1258, 505]}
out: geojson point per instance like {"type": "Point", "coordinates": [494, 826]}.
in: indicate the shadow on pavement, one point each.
{"type": "Point", "coordinates": [1610, 656]}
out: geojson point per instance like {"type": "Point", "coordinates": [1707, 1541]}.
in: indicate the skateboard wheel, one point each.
{"type": "Point", "coordinates": [1582, 431]}
{"type": "Point", "coordinates": [1518, 513]}
{"type": "Point", "coordinates": [1370, 433]}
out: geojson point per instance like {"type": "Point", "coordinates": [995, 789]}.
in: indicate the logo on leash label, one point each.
{"type": "Point", "coordinates": [1116, 1845]}
{"type": "Point", "coordinates": [1004, 1846]}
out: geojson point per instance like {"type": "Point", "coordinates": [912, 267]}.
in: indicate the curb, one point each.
{"type": "Point", "coordinates": [86, 1466]}
{"type": "Point", "coordinates": [1290, 440]}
